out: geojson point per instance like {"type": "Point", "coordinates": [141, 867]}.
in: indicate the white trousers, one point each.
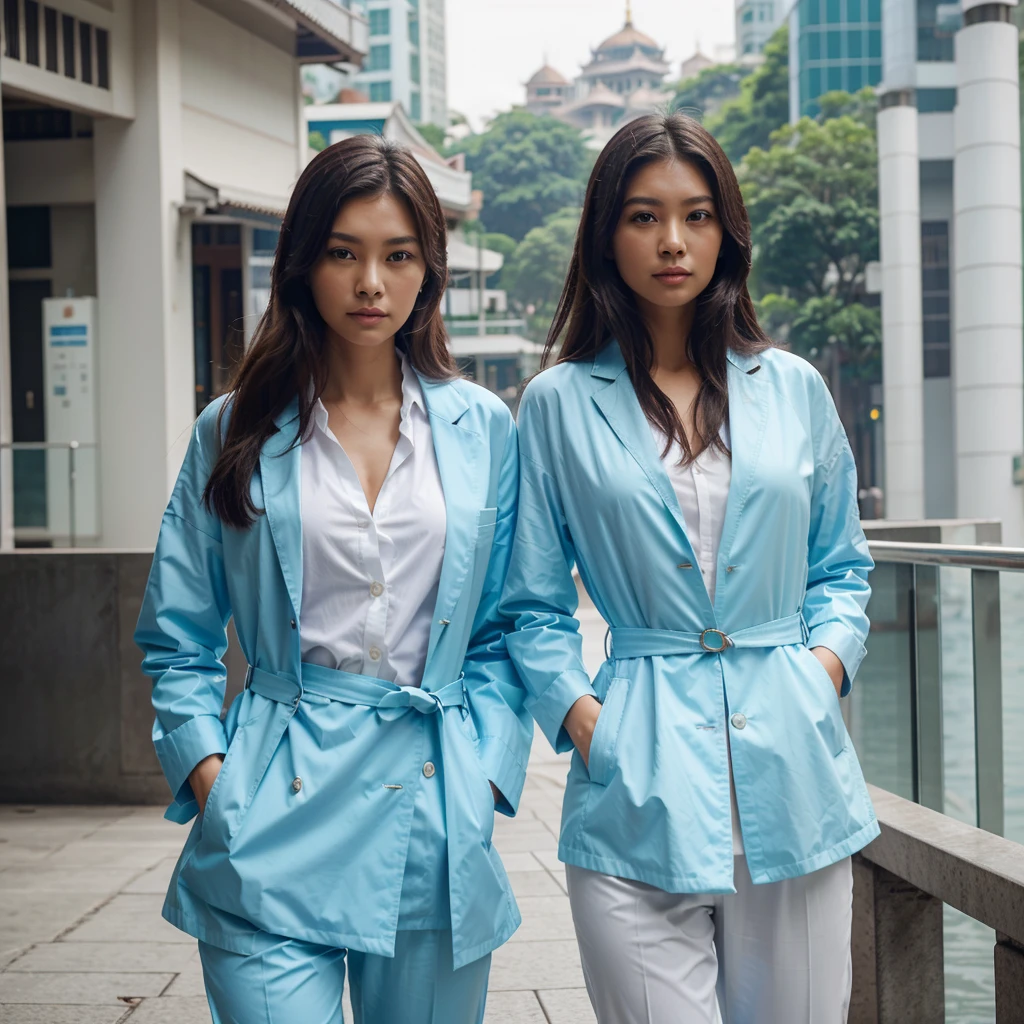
{"type": "Point", "coordinates": [772, 954]}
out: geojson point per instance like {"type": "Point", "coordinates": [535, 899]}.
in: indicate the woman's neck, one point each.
{"type": "Point", "coordinates": [362, 375]}
{"type": "Point", "coordinates": [669, 327]}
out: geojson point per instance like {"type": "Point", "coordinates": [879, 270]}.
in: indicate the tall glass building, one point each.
{"type": "Point", "coordinates": [833, 44]}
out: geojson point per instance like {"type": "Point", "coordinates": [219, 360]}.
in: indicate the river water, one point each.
{"type": "Point", "coordinates": [880, 726]}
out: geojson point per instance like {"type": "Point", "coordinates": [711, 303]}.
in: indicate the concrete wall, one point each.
{"type": "Point", "coordinates": [240, 100]}
{"type": "Point", "coordinates": [77, 718]}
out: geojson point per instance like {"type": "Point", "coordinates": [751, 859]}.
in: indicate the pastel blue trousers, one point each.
{"type": "Point", "coordinates": [284, 981]}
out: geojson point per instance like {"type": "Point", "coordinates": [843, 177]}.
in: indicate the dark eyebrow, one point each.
{"type": "Point", "coordinates": [401, 240]}
{"type": "Point", "coordinates": [650, 201]}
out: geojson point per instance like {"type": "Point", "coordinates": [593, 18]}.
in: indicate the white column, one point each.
{"type": "Point", "coordinates": [899, 201]}
{"type": "Point", "coordinates": [6, 406]}
{"type": "Point", "coordinates": [143, 261]}
{"type": "Point", "coordinates": [988, 363]}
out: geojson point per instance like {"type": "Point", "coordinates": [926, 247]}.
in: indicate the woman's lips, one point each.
{"type": "Point", "coordinates": [674, 276]}
{"type": "Point", "coordinates": [368, 319]}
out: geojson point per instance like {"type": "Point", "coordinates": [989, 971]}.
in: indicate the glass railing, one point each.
{"type": "Point", "coordinates": [55, 491]}
{"type": "Point", "coordinates": [942, 683]}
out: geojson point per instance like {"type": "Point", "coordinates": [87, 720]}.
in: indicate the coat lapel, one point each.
{"type": "Point", "coordinates": [281, 475]}
{"type": "Point", "coordinates": [621, 409]}
{"type": "Point", "coordinates": [748, 415]}
{"type": "Point", "coordinates": [463, 480]}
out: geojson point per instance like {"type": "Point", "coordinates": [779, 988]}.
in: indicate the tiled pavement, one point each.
{"type": "Point", "coordinates": [82, 940]}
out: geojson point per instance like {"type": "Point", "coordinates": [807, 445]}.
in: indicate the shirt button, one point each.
{"type": "Point", "coordinates": [429, 769]}
{"type": "Point", "coordinates": [739, 721]}
{"type": "Point", "coordinates": [376, 589]}
{"type": "Point", "coordinates": [374, 654]}
{"type": "Point", "coordinates": [296, 784]}
{"type": "Point", "coordinates": [362, 524]}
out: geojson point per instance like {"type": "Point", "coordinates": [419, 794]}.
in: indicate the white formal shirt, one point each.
{"type": "Point", "coordinates": [369, 580]}
{"type": "Point", "coordinates": [702, 490]}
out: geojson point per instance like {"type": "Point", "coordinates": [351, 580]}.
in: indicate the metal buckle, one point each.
{"type": "Point", "coordinates": [726, 642]}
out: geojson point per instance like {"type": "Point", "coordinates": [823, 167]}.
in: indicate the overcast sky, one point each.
{"type": "Point", "coordinates": [495, 45]}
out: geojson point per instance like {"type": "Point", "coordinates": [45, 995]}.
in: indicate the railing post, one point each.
{"type": "Point", "coordinates": [1009, 967]}
{"type": "Point", "coordinates": [988, 699]}
{"type": "Point", "coordinates": [897, 950]}
{"type": "Point", "coordinates": [927, 686]}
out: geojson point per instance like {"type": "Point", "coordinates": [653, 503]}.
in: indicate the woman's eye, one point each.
{"type": "Point", "coordinates": [400, 257]}
{"type": "Point", "coordinates": [341, 254]}
{"type": "Point", "coordinates": [700, 215]}
{"type": "Point", "coordinates": [643, 218]}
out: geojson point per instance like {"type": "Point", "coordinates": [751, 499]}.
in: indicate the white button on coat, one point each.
{"type": "Point", "coordinates": [739, 721]}
{"type": "Point", "coordinates": [429, 769]}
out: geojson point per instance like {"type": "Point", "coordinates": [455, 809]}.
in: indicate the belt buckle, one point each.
{"type": "Point", "coordinates": [726, 642]}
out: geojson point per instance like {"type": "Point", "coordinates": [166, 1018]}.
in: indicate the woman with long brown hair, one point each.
{"type": "Point", "coordinates": [702, 484]}
{"type": "Point", "coordinates": [351, 505]}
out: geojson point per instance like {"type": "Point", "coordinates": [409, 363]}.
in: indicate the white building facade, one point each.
{"type": "Point", "coordinates": [756, 20]}
{"type": "Point", "coordinates": [950, 203]}
{"type": "Point", "coordinates": [149, 150]}
{"type": "Point", "coordinates": [407, 59]}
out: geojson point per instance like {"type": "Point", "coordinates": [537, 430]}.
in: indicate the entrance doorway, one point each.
{"type": "Point", "coordinates": [217, 305]}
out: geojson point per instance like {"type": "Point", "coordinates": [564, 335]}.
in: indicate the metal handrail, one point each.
{"type": "Point", "coordinates": [964, 556]}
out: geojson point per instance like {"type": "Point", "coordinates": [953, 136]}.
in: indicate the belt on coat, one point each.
{"type": "Point", "coordinates": [390, 700]}
{"type": "Point", "coordinates": [632, 642]}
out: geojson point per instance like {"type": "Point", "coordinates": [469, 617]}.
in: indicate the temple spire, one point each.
{"type": "Point", "coordinates": [629, 12]}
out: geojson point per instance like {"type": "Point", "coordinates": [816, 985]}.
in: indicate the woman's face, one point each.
{"type": "Point", "coordinates": [366, 282]}
{"type": "Point", "coordinates": [667, 241]}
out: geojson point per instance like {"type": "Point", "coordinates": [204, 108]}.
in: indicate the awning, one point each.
{"type": "Point", "coordinates": [223, 200]}
{"type": "Point", "coordinates": [328, 32]}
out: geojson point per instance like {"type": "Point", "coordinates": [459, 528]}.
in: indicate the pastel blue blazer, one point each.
{"type": "Point", "coordinates": [683, 673]}
{"type": "Point", "coordinates": [325, 863]}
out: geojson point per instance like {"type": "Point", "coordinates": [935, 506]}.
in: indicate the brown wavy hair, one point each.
{"type": "Point", "coordinates": [288, 354]}
{"type": "Point", "coordinates": [596, 304]}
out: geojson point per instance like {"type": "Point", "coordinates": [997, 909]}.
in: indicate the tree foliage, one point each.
{"type": "Point", "coordinates": [433, 134]}
{"type": "Point", "coordinates": [528, 168]}
{"type": "Point", "coordinates": [762, 105]}
{"type": "Point", "coordinates": [535, 273]}
{"type": "Point", "coordinates": [707, 91]}
{"type": "Point", "coordinates": [813, 204]}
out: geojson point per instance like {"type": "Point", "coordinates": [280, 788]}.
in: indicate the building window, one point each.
{"type": "Point", "coordinates": [832, 15]}
{"type": "Point", "coordinates": [380, 22]}
{"type": "Point", "coordinates": [414, 67]}
{"type": "Point", "coordinates": [932, 101]}
{"type": "Point", "coordinates": [85, 50]}
{"type": "Point", "coordinates": [810, 13]}
{"type": "Point", "coordinates": [102, 58]}
{"type": "Point", "coordinates": [854, 47]}
{"type": "Point", "coordinates": [855, 77]}
{"type": "Point", "coordinates": [834, 42]}
{"type": "Point", "coordinates": [50, 37]}
{"type": "Point", "coordinates": [380, 92]}
{"type": "Point", "coordinates": [935, 31]}
{"type": "Point", "coordinates": [414, 29]}
{"type": "Point", "coordinates": [935, 297]}
{"type": "Point", "coordinates": [67, 26]}
{"type": "Point", "coordinates": [12, 30]}
{"type": "Point", "coordinates": [875, 43]}
{"type": "Point", "coordinates": [417, 106]}
{"type": "Point", "coordinates": [853, 11]}
{"type": "Point", "coordinates": [32, 32]}
{"type": "Point", "coordinates": [748, 16]}
{"type": "Point", "coordinates": [379, 58]}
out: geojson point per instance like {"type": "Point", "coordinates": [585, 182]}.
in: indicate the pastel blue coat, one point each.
{"type": "Point", "coordinates": [325, 864]}
{"type": "Point", "coordinates": [791, 575]}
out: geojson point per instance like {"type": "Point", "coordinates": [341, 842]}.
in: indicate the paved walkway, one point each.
{"type": "Point", "coordinates": [82, 940]}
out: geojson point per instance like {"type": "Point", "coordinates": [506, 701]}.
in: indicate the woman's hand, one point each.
{"type": "Point", "coordinates": [580, 722]}
{"type": "Point", "coordinates": [203, 776]}
{"type": "Point", "coordinates": [832, 665]}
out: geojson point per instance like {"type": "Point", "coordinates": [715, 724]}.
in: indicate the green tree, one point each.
{"type": "Point", "coordinates": [813, 204]}
{"type": "Point", "coordinates": [433, 134]}
{"type": "Point", "coordinates": [762, 105]}
{"type": "Point", "coordinates": [528, 167]}
{"type": "Point", "coordinates": [317, 141]}
{"type": "Point", "coordinates": [707, 91]}
{"type": "Point", "coordinates": [535, 273]}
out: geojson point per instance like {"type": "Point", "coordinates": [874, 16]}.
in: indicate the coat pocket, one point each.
{"type": "Point", "coordinates": [830, 723]}
{"type": "Point", "coordinates": [601, 763]}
